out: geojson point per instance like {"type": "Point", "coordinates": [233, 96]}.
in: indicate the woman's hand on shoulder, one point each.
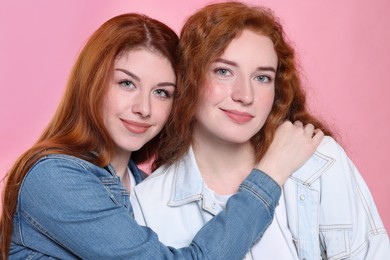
{"type": "Point", "coordinates": [293, 144]}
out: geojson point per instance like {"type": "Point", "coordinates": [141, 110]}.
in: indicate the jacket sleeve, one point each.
{"type": "Point", "coordinates": [367, 238]}
{"type": "Point", "coordinates": [67, 204]}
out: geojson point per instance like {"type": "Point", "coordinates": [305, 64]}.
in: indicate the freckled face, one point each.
{"type": "Point", "coordinates": [240, 90]}
{"type": "Point", "coordinates": [139, 98]}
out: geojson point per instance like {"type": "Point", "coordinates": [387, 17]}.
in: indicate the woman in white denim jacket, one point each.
{"type": "Point", "coordinates": [240, 82]}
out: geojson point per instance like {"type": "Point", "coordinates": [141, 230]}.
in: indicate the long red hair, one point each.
{"type": "Point", "coordinates": [204, 37]}
{"type": "Point", "coordinates": [77, 128]}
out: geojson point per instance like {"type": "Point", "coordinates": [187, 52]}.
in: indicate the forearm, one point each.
{"type": "Point", "coordinates": [105, 228]}
{"type": "Point", "coordinates": [230, 234]}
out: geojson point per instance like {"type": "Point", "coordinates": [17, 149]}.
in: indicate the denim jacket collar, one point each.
{"type": "Point", "coordinates": [313, 169]}
{"type": "Point", "coordinates": [189, 186]}
{"type": "Point", "coordinates": [137, 173]}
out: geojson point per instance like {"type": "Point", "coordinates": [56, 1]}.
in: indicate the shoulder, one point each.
{"type": "Point", "coordinates": [157, 188]}
{"type": "Point", "coordinates": [55, 161]}
{"type": "Point", "coordinates": [330, 147]}
{"type": "Point", "coordinates": [57, 172]}
{"type": "Point", "coordinates": [65, 181]}
{"type": "Point", "coordinates": [328, 162]}
{"type": "Point", "coordinates": [329, 152]}
{"type": "Point", "coordinates": [159, 179]}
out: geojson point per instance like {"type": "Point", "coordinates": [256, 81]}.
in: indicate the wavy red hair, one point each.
{"type": "Point", "coordinates": [204, 37]}
{"type": "Point", "coordinates": [77, 128]}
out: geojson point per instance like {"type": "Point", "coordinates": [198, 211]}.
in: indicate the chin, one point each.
{"type": "Point", "coordinates": [136, 148]}
{"type": "Point", "coordinates": [239, 137]}
{"type": "Point", "coordinates": [237, 140]}
{"type": "Point", "coordinates": [131, 148]}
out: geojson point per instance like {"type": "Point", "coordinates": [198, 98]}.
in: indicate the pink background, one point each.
{"type": "Point", "coordinates": [343, 48]}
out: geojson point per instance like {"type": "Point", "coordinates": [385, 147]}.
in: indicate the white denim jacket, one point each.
{"type": "Point", "coordinates": [330, 210]}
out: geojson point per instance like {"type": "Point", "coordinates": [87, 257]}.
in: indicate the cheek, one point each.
{"type": "Point", "coordinates": [105, 112]}
{"type": "Point", "coordinates": [162, 111]}
{"type": "Point", "coordinates": [266, 100]}
{"type": "Point", "coordinates": [269, 99]}
{"type": "Point", "coordinates": [215, 93]}
{"type": "Point", "coordinates": [111, 102]}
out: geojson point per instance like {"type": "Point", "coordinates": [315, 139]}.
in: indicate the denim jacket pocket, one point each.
{"type": "Point", "coordinates": [335, 241]}
{"type": "Point", "coordinates": [117, 192]}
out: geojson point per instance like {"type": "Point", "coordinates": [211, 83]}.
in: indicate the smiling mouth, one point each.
{"type": "Point", "coordinates": [238, 117]}
{"type": "Point", "coordinates": [135, 127]}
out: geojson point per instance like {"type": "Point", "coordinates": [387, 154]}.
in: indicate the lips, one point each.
{"type": "Point", "coordinates": [237, 116]}
{"type": "Point", "coordinates": [135, 127]}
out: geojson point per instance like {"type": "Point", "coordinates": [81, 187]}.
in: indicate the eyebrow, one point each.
{"type": "Point", "coordinates": [161, 84]}
{"type": "Point", "coordinates": [128, 73]}
{"type": "Point", "coordinates": [232, 63]}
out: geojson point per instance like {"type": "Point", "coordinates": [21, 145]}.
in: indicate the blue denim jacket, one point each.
{"type": "Point", "coordinates": [69, 208]}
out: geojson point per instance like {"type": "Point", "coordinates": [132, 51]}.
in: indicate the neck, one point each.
{"type": "Point", "coordinates": [120, 161]}
{"type": "Point", "coordinates": [223, 165]}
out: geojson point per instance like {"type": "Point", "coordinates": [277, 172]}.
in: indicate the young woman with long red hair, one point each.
{"type": "Point", "coordinates": [239, 73]}
{"type": "Point", "coordinates": [67, 197]}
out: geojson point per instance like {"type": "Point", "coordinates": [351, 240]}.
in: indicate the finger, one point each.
{"type": "Point", "coordinates": [309, 130]}
{"type": "Point", "coordinates": [298, 123]}
{"type": "Point", "coordinates": [286, 122]}
{"type": "Point", "coordinates": [318, 136]}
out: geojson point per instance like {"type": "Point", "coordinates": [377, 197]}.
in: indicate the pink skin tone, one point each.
{"type": "Point", "coordinates": [240, 91]}
{"type": "Point", "coordinates": [138, 102]}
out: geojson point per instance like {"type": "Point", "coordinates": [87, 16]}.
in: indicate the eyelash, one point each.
{"type": "Point", "coordinates": [167, 94]}
{"type": "Point", "coordinates": [126, 83]}
{"type": "Point", "coordinates": [218, 72]}
{"type": "Point", "coordinates": [268, 78]}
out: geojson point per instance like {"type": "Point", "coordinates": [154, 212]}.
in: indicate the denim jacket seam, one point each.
{"type": "Point", "coordinates": [365, 243]}
{"type": "Point", "coordinates": [359, 249]}
{"type": "Point", "coordinates": [317, 173]}
{"type": "Point", "coordinates": [329, 162]}
{"type": "Point", "coordinates": [373, 226]}
{"type": "Point", "coordinates": [243, 185]}
{"type": "Point", "coordinates": [267, 191]}
{"type": "Point", "coordinates": [339, 227]}
{"type": "Point", "coordinates": [195, 196]}
{"type": "Point", "coordinates": [31, 255]}
{"type": "Point", "coordinates": [36, 224]}
{"type": "Point", "coordinates": [82, 163]}
{"type": "Point", "coordinates": [87, 166]}
{"type": "Point", "coordinates": [192, 194]}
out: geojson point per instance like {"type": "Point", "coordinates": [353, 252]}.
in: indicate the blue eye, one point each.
{"type": "Point", "coordinates": [162, 93]}
{"type": "Point", "coordinates": [126, 83]}
{"type": "Point", "coordinates": [222, 72]}
{"type": "Point", "coordinates": [263, 78]}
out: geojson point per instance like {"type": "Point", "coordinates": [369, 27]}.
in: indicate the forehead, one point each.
{"type": "Point", "coordinates": [146, 63]}
{"type": "Point", "coordinates": [134, 53]}
{"type": "Point", "coordinates": [142, 55]}
{"type": "Point", "coordinates": [253, 46]}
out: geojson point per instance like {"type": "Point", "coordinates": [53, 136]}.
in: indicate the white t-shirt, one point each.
{"type": "Point", "coordinates": [277, 242]}
{"type": "Point", "coordinates": [132, 180]}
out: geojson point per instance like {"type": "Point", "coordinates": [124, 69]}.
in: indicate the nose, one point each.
{"type": "Point", "coordinates": [243, 92]}
{"type": "Point", "coordinates": [142, 104]}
